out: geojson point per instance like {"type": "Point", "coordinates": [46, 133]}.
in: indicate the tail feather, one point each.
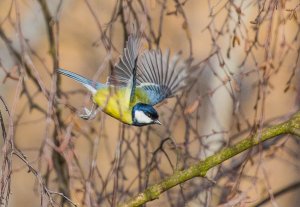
{"type": "Point", "coordinates": [89, 84]}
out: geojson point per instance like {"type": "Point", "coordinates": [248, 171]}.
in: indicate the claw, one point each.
{"type": "Point", "coordinates": [88, 114]}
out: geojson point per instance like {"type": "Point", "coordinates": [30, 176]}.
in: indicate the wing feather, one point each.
{"type": "Point", "coordinates": [122, 71]}
{"type": "Point", "coordinates": [159, 76]}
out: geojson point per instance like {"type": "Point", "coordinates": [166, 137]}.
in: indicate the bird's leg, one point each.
{"type": "Point", "coordinates": [89, 114]}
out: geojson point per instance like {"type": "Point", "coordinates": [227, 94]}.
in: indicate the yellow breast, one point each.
{"type": "Point", "coordinates": [116, 102]}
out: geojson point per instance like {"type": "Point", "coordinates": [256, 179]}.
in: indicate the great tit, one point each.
{"type": "Point", "coordinates": [141, 79]}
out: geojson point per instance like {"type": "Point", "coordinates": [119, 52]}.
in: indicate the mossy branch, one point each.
{"type": "Point", "coordinates": [292, 126]}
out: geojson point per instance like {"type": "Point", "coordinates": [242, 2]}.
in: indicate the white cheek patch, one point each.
{"type": "Point", "coordinates": [141, 117]}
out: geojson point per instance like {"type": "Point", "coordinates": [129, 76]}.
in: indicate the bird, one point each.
{"type": "Point", "coordinates": [141, 79]}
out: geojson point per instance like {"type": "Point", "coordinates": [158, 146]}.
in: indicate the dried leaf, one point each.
{"type": "Point", "coordinates": [235, 40]}
{"type": "Point", "coordinates": [185, 26]}
{"type": "Point", "coordinates": [191, 108]}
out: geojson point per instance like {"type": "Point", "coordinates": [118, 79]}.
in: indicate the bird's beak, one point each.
{"type": "Point", "coordinates": [157, 122]}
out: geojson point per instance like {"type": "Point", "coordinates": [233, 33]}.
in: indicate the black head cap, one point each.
{"type": "Point", "coordinates": [148, 111]}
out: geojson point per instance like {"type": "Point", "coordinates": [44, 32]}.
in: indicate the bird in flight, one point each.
{"type": "Point", "coordinates": [141, 79]}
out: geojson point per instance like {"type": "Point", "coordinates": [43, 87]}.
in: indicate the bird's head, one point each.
{"type": "Point", "coordinates": [144, 114]}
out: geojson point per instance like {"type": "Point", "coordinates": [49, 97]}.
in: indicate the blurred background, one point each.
{"type": "Point", "coordinates": [245, 77]}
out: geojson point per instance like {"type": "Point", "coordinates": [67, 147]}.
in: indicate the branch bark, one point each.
{"type": "Point", "coordinates": [291, 126]}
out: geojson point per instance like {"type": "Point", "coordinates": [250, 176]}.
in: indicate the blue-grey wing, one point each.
{"type": "Point", "coordinates": [159, 76]}
{"type": "Point", "coordinates": [155, 93]}
{"type": "Point", "coordinates": [156, 74]}
{"type": "Point", "coordinates": [123, 72]}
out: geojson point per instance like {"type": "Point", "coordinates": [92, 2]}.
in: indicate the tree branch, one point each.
{"type": "Point", "coordinates": [292, 126]}
{"type": "Point", "coordinates": [288, 189]}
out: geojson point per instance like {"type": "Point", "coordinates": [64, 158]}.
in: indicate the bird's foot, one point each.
{"type": "Point", "coordinates": [88, 114]}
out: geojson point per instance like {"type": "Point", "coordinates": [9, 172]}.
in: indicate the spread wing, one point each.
{"type": "Point", "coordinates": [124, 72]}
{"type": "Point", "coordinates": [159, 76]}
{"type": "Point", "coordinates": [152, 72]}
